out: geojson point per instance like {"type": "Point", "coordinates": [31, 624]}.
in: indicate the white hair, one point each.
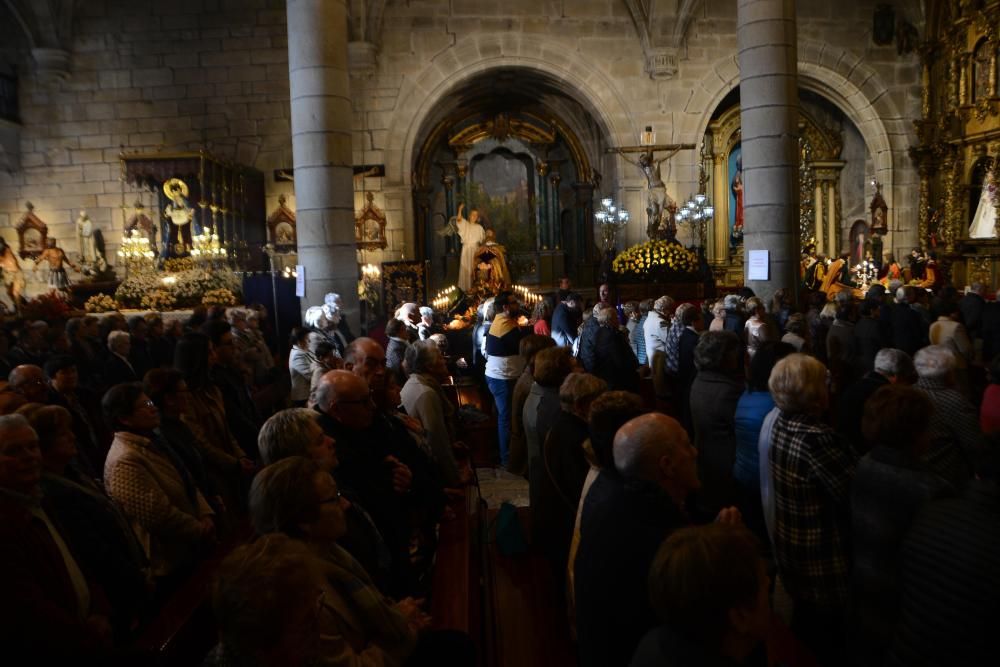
{"type": "Point", "coordinates": [900, 295]}
{"type": "Point", "coordinates": [426, 311]}
{"type": "Point", "coordinates": [603, 313]}
{"type": "Point", "coordinates": [663, 304]}
{"type": "Point", "coordinates": [314, 317]}
{"type": "Point", "coordinates": [404, 311]}
{"type": "Point", "coordinates": [934, 362]}
{"type": "Point", "coordinates": [115, 336]}
{"type": "Point", "coordinates": [889, 361]}
{"type": "Point", "coordinates": [285, 434]}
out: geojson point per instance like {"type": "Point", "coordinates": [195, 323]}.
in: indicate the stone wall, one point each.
{"type": "Point", "coordinates": [213, 73]}
{"type": "Point", "coordinates": [176, 76]}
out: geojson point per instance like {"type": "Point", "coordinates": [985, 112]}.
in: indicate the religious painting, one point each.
{"type": "Point", "coordinates": [735, 172]}
{"type": "Point", "coordinates": [32, 234]}
{"type": "Point", "coordinates": [403, 282]}
{"type": "Point", "coordinates": [281, 226]}
{"type": "Point", "coordinates": [860, 242]}
{"type": "Point", "coordinates": [369, 226]}
{"type": "Point", "coordinates": [981, 71]}
{"type": "Point", "coordinates": [502, 190]}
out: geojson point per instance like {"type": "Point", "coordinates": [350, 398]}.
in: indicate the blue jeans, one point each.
{"type": "Point", "coordinates": [503, 394]}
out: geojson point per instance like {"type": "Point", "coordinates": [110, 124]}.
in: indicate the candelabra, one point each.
{"type": "Point", "coordinates": [443, 299]}
{"type": "Point", "coordinates": [525, 295]}
{"type": "Point", "coordinates": [136, 253]}
{"type": "Point", "coordinates": [612, 218]}
{"type": "Point", "coordinates": [697, 212]}
{"type": "Point", "coordinates": [865, 274]}
{"type": "Point", "coordinates": [206, 246]}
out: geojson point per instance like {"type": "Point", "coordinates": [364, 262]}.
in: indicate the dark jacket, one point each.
{"type": "Point", "coordinates": [38, 604]}
{"type": "Point", "coordinates": [714, 396]}
{"type": "Point", "coordinates": [612, 360]}
{"type": "Point", "coordinates": [116, 371]}
{"type": "Point", "coordinates": [395, 352]}
{"type": "Point", "coordinates": [990, 331]}
{"type": "Point", "coordinates": [588, 344]}
{"type": "Point", "coordinates": [565, 323]}
{"type": "Point", "coordinates": [622, 525]}
{"type": "Point", "coordinates": [889, 488]}
{"type": "Point", "coordinates": [909, 331]}
{"type": "Point", "coordinates": [950, 582]}
{"type": "Point", "coordinates": [564, 469]}
{"type": "Point", "coordinates": [241, 413]}
{"type": "Point", "coordinates": [971, 306]}
{"type": "Point", "coordinates": [851, 408]}
{"type": "Point", "coordinates": [662, 647]}
{"type": "Point", "coordinates": [866, 341]}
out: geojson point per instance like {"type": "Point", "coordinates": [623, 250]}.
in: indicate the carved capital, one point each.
{"type": "Point", "coordinates": [661, 63]}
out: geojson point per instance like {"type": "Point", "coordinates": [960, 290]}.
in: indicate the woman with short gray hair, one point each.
{"type": "Point", "coordinates": [956, 439]}
{"type": "Point", "coordinates": [713, 396]}
{"type": "Point", "coordinates": [296, 432]}
{"type": "Point", "coordinates": [812, 469]}
{"type": "Point", "coordinates": [425, 400]}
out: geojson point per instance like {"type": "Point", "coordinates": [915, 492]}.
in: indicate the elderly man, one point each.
{"type": "Point", "coordinates": [368, 468]}
{"type": "Point", "coordinates": [29, 382]}
{"type": "Point", "coordinates": [956, 440]}
{"type": "Point", "coordinates": [891, 366]}
{"type": "Point", "coordinates": [424, 399]}
{"type": "Point", "coordinates": [229, 374]}
{"type": "Point", "coordinates": [64, 379]}
{"type": "Point", "coordinates": [31, 347]}
{"type": "Point", "coordinates": [909, 330]}
{"type": "Point", "coordinates": [625, 518]}
{"type": "Point", "coordinates": [612, 359]}
{"type": "Point", "coordinates": [655, 328]}
{"type": "Point", "coordinates": [49, 608]}
{"type": "Point", "coordinates": [117, 368]}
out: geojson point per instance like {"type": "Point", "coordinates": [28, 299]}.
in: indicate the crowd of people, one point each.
{"type": "Point", "coordinates": [686, 463]}
{"type": "Point", "coordinates": [132, 451]}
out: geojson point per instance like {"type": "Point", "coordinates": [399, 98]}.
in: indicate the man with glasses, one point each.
{"type": "Point", "coordinates": [48, 609]}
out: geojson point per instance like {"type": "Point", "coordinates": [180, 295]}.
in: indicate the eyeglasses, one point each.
{"type": "Point", "coordinates": [335, 498]}
{"type": "Point", "coordinates": [145, 404]}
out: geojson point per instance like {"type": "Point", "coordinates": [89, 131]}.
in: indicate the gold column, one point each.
{"type": "Point", "coordinates": [963, 79]}
{"type": "Point", "coordinates": [832, 221]}
{"type": "Point", "coordinates": [718, 247]}
{"type": "Point", "coordinates": [951, 203]}
{"type": "Point", "coordinates": [818, 215]}
{"type": "Point", "coordinates": [924, 205]}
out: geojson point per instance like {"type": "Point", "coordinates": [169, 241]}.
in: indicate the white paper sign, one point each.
{"type": "Point", "coordinates": [758, 265]}
{"type": "Point", "coordinates": [300, 280]}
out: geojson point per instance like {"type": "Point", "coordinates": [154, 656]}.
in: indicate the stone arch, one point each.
{"type": "Point", "coordinates": [476, 54]}
{"type": "Point", "coordinates": [847, 82]}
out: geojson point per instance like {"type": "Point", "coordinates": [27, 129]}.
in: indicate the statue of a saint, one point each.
{"type": "Point", "coordinates": [660, 208]}
{"type": "Point", "coordinates": [10, 274]}
{"type": "Point", "coordinates": [472, 235]}
{"type": "Point", "coordinates": [54, 256]}
{"type": "Point", "coordinates": [737, 187]}
{"type": "Point", "coordinates": [179, 216]}
{"type": "Point", "coordinates": [985, 221]}
{"type": "Point", "coordinates": [85, 237]}
{"type": "Point", "coordinates": [491, 264]}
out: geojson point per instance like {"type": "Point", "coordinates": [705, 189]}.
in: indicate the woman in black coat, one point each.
{"type": "Point", "coordinates": [713, 397]}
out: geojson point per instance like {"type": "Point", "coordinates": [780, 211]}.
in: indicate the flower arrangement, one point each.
{"type": "Point", "coordinates": [159, 300]}
{"type": "Point", "coordinates": [655, 258]}
{"type": "Point", "coordinates": [178, 264]}
{"type": "Point", "coordinates": [187, 288]}
{"type": "Point", "coordinates": [100, 303]}
{"type": "Point", "coordinates": [48, 307]}
{"type": "Point", "coordinates": [219, 297]}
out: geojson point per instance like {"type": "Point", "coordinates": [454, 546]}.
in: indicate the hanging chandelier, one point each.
{"type": "Point", "coordinates": [613, 218]}
{"type": "Point", "coordinates": [697, 211]}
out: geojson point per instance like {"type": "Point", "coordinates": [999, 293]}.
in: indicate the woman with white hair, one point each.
{"type": "Point", "coordinates": [409, 314]}
{"type": "Point", "coordinates": [424, 399]}
{"type": "Point", "coordinates": [956, 439]}
{"type": "Point", "coordinates": [426, 326]}
{"type": "Point", "coordinates": [812, 469]}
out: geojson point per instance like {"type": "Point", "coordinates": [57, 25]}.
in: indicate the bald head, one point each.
{"type": "Point", "coordinates": [29, 381]}
{"type": "Point", "coordinates": [656, 448]}
{"type": "Point", "coordinates": [345, 397]}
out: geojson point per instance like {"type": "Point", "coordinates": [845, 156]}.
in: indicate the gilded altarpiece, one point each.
{"type": "Point", "coordinates": [958, 134]}
{"type": "Point", "coordinates": [820, 169]}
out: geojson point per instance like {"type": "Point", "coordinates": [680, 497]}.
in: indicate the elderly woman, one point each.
{"type": "Point", "coordinates": [117, 367]}
{"type": "Point", "coordinates": [714, 394]}
{"type": "Point", "coordinates": [424, 399]}
{"type": "Point", "coordinates": [100, 534]}
{"type": "Point", "coordinates": [300, 361]}
{"type": "Point", "coordinates": [148, 480]}
{"type": "Point", "coordinates": [757, 329]}
{"type": "Point", "coordinates": [956, 440]}
{"type": "Point", "coordinates": [612, 359]}
{"type": "Point", "coordinates": [812, 469]}
{"type": "Point", "coordinates": [718, 322]}
{"type": "Point", "coordinates": [890, 486]}
{"type": "Point", "coordinates": [426, 326]}
{"type": "Point", "coordinates": [530, 345]}
{"type": "Point", "coordinates": [564, 469]}
{"type": "Point", "coordinates": [359, 625]}
{"type": "Point", "coordinates": [542, 407]}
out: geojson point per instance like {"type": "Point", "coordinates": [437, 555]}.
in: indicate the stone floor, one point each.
{"type": "Point", "coordinates": [497, 485]}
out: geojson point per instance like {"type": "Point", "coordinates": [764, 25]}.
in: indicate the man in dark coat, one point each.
{"type": "Point", "coordinates": [866, 338]}
{"type": "Point", "coordinates": [909, 330]}
{"type": "Point", "coordinates": [230, 377]}
{"type": "Point", "coordinates": [627, 514]}
{"type": "Point", "coordinates": [610, 357]}
{"type": "Point", "coordinates": [990, 331]}
{"type": "Point", "coordinates": [971, 306]}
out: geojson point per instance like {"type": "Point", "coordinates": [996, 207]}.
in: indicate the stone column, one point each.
{"type": "Point", "coordinates": [555, 214]}
{"type": "Point", "coordinates": [542, 207]}
{"type": "Point", "coordinates": [769, 111]}
{"type": "Point", "coordinates": [718, 240]}
{"type": "Point", "coordinates": [321, 150]}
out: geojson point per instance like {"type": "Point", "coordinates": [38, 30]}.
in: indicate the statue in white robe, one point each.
{"type": "Point", "coordinates": [984, 223]}
{"type": "Point", "coordinates": [472, 235]}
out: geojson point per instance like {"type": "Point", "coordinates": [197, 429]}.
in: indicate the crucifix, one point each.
{"type": "Point", "coordinates": [661, 209]}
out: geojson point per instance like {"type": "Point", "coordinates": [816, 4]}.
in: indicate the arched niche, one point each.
{"type": "Point", "coordinates": [834, 161]}
{"type": "Point", "coordinates": [510, 124]}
